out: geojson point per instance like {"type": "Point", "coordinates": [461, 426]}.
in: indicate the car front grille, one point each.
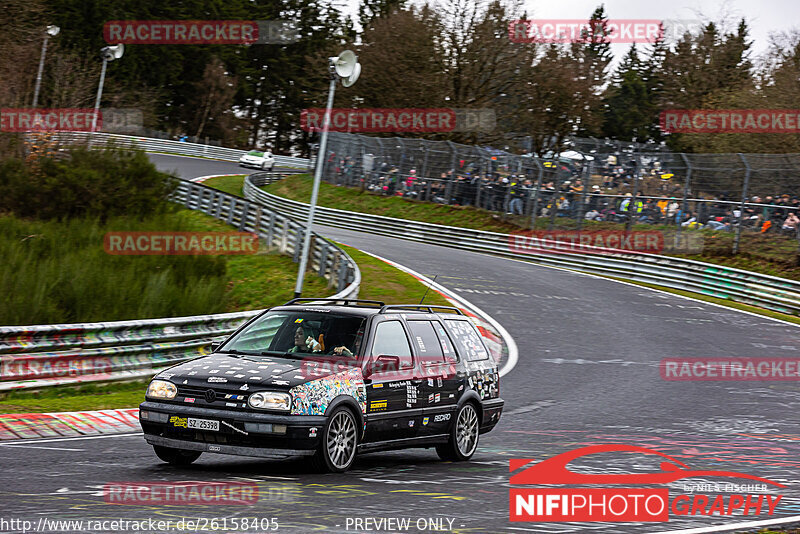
{"type": "Point", "coordinates": [198, 393]}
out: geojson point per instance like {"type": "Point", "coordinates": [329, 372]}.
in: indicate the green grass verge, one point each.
{"type": "Point", "coordinates": [58, 272]}
{"type": "Point", "coordinates": [227, 184]}
{"type": "Point", "coordinates": [770, 254]}
{"type": "Point", "coordinates": [75, 398]}
{"type": "Point", "coordinates": [381, 281]}
{"type": "Point", "coordinates": [260, 280]}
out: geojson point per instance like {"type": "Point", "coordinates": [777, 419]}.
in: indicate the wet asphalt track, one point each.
{"type": "Point", "coordinates": [587, 374]}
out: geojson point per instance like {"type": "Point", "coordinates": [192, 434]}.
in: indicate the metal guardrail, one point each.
{"type": "Point", "coordinates": [765, 291]}
{"type": "Point", "coordinates": [42, 355]}
{"type": "Point", "coordinates": [171, 147]}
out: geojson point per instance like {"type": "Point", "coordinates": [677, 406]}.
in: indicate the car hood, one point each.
{"type": "Point", "coordinates": [250, 373]}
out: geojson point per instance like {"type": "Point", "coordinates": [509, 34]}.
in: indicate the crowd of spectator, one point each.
{"type": "Point", "coordinates": [567, 196]}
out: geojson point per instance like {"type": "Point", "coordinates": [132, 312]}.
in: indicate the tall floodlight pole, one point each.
{"type": "Point", "coordinates": [108, 53]}
{"type": "Point", "coordinates": [51, 31]}
{"type": "Point", "coordinates": [347, 68]}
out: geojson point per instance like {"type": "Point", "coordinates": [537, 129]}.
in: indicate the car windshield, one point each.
{"type": "Point", "coordinates": [255, 153]}
{"type": "Point", "coordinates": [302, 333]}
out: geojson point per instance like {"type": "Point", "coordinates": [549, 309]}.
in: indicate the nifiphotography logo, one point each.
{"type": "Point", "coordinates": [629, 504]}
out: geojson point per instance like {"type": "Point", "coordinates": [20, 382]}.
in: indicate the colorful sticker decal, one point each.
{"type": "Point", "coordinates": [411, 394]}
{"type": "Point", "coordinates": [377, 406]}
{"type": "Point", "coordinates": [313, 398]}
{"type": "Point", "coordinates": [425, 421]}
{"type": "Point", "coordinates": [178, 421]}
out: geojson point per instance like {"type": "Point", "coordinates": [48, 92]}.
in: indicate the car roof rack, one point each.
{"type": "Point", "coordinates": [335, 302]}
{"type": "Point", "coordinates": [422, 308]}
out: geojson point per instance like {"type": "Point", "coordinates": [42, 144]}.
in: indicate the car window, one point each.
{"type": "Point", "coordinates": [255, 153]}
{"type": "Point", "coordinates": [259, 335]}
{"type": "Point", "coordinates": [391, 340]}
{"type": "Point", "coordinates": [467, 339]}
{"type": "Point", "coordinates": [426, 342]}
{"type": "Point", "coordinates": [301, 332]}
{"type": "Point", "coordinates": [448, 348]}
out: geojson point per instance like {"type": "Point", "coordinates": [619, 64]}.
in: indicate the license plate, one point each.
{"type": "Point", "coordinates": [203, 424]}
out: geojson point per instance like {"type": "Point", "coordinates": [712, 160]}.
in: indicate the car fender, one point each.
{"type": "Point", "coordinates": [468, 396]}
{"type": "Point", "coordinates": [350, 402]}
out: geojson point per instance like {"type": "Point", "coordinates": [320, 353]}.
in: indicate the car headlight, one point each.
{"type": "Point", "coordinates": [270, 400]}
{"type": "Point", "coordinates": [161, 389]}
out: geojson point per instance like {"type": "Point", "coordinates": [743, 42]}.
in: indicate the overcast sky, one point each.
{"type": "Point", "coordinates": [763, 16]}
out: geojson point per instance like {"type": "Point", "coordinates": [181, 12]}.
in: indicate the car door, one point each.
{"type": "Point", "coordinates": [391, 395]}
{"type": "Point", "coordinates": [437, 360]}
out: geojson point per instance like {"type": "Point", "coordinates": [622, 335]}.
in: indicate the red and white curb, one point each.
{"type": "Point", "coordinates": [68, 424]}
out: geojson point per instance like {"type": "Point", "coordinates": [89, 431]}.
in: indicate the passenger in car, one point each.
{"type": "Point", "coordinates": [309, 344]}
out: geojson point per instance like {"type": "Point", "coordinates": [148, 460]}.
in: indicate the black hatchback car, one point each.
{"type": "Point", "coordinates": [327, 379]}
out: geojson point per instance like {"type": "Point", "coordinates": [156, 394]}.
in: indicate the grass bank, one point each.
{"type": "Point", "coordinates": [58, 272]}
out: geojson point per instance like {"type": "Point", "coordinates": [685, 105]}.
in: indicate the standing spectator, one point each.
{"type": "Point", "coordinates": [789, 226]}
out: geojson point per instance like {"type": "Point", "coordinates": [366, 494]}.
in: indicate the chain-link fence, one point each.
{"type": "Point", "coordinates": [593, 182]}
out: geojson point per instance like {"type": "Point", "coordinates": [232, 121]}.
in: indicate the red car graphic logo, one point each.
{"type": "Point", "coordinates": [554, 470]}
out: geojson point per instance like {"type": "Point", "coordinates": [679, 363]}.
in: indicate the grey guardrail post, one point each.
{"type": "Point", "coordinates": [737, 238]}
{"type": "Point", "coordinates": [685, 202]}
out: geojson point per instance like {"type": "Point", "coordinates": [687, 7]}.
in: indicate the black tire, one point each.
{"type": "Point", "coordinates": [176, 456]}
{"type": "Point", "coordinates": [464, 435]}
{"type": "Point", "coordinates": [337, 448]}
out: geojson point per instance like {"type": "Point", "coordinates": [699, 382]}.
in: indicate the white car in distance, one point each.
{"type": "Point", "coordinates": [257, 159]}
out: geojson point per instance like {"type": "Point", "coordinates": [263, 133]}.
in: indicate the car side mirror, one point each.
{"type": "Point", "coordinates": [382, 364]}
{"type": "Point", "coordinates": [215, 345]}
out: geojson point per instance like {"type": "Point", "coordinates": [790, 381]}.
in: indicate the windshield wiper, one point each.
{"type": "Point", "coordinates": [240, 352]}
{"type": "Point", "coordinates": [282, 354]}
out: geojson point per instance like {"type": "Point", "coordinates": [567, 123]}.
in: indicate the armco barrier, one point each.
{"type": "Point", "coordinates": [42, 355]}
{"type": "Point", "coordinates": [170, 147]}
{"type": "Point", "coordinates": [765, 291]}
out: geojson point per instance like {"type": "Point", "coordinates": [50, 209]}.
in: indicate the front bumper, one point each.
{"type": "Point", "coordinates": [253, 165]}
{"type": "Point", "coordinates": [301, 436]}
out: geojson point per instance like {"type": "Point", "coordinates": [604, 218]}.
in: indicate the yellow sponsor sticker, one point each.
{"type": "Point", "coordinates": [178, 421]}
{"type": "Point", "coordinates": [378, 405]}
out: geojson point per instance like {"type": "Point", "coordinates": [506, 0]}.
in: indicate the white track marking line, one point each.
{"type": "Point", "coordinates": [650, 289]}
{"type": "Point", "coordinates": [53, 440]}
{"type": "Point", "coordinates": [513, 351]}
{"type": "Point", "coordinates": [20, 445]}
